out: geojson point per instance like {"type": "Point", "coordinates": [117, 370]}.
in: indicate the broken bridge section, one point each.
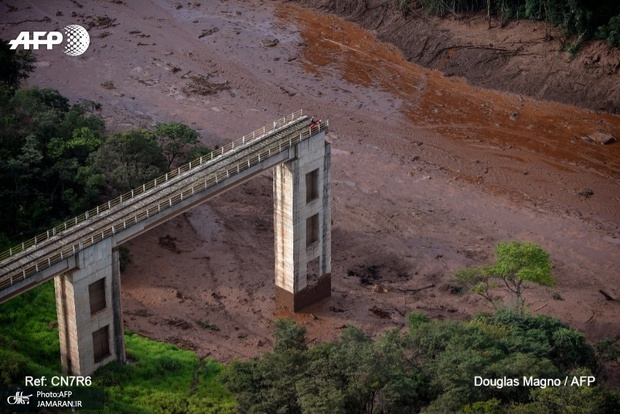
{"type": "Point", "coordinates": [81, 254]}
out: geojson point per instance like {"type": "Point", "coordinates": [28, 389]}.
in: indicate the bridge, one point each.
{"type": "Point", "coordinates": [81, 254]}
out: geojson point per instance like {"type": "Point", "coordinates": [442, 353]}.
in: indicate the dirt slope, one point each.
{"type": "Point", "coordinates": [517, 58]}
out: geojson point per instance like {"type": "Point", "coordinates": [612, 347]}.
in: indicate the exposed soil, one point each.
{"type": "Point", "coordinates": [429, 173]}
{"type": "Point", "coordinates": [522, 57]}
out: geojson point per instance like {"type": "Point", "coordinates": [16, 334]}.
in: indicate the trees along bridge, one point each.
{"type": "Point", "coordinates": [82, 257]}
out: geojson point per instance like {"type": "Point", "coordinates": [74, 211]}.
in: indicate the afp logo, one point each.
{"type": "Point", "coordinates": [77, 37]}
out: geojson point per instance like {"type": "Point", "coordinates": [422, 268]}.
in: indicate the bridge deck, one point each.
{"type": "Point", "coordinates": [19, 264]}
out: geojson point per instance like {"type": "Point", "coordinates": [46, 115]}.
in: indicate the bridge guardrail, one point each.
{"type": "Point", "coordinates": [251, 137]}
{"type": "Point", "coordinates": [158, 206]}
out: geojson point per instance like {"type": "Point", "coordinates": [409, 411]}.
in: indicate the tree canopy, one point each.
{"type": "Point", "coordinates": [516, 265]}
{"type": "Point", "coordinates": [431, 367]}
{"type": "Point", "coordinates": [56, 159]}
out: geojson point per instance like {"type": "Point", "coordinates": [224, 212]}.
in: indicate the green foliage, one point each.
{"type": "Point", "coordinates": [610, 32]}
{"type": "Point", "coordinates": [129, 159]}
{"type": "Point", "coordinates": [516, 264]}
{"type": "Point", "coordinates": [15, 66]}
{"type": "Point", "coordinates": [289, 336]}
{"type": "Point", "coordinates": [607, 350]}
{"type": "Point", "coordinates": [577, 20]}
{"type": "Point", "coordinates": [430, 368]}
{"type": "Point", "coordinates": [492, 406]}
{"type": "Point", "coordinates": [177, 141]}
{"type": "Point", "coordinates": [575, 399]}
{"type": "Point", "coordinates": [124, 257]}
{"type": "Point", "coordinates": [416, 319]}
{"type": "Point", "coordinates": [45, 174]}
{"type": "Point", "coordinates": [162, 378]}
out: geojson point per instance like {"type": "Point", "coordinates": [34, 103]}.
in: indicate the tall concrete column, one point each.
{"type": "Point", "coordinates": [89, 313]}
{"type": "Point", "coordinates": [302, 225]}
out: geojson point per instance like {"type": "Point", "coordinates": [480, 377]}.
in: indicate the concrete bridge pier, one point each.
{"type": "Point", "coordinates": [88, 306]}
{"type": "Point", "coordinates": [302, 225]}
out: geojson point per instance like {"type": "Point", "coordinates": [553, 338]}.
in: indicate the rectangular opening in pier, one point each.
{"type": "Point", "coordinates": [101, 344]}
{"type": "Point", "coordinates": [312, 186]}
{"type": "Point", "coordinates": [96, 293]}
{"type": "Point", "coordinates": [312, 230]}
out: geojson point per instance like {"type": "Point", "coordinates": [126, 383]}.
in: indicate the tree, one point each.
{"type": "Point", "coordinates": [289, 336]}
{"type": "Point", "coordinates": [15, 66]}
{"type": "Point", "coordinates": [516, 265]}
{"type": "Point", "coordinates": [176, 141]}
{"type": "Point", "coordinates": [129, 159]}
{"type": "Point", "coordinates": [45, 172]}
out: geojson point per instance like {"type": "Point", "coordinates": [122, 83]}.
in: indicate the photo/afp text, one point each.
{"type": "Point", "coordinates": [51, 392]}
{"type": "Point", "coordinates": [534, 382]}
{"type": "Point", "coordinates": [76, 38]}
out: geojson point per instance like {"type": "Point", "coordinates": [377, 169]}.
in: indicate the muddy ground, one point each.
{"type": "Point", "coordinates": [429, 173]}
{"type": "Point", "coordinates": [517, 56]}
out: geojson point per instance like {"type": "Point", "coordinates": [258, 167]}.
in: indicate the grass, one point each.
{"type": "Point", "coordinates": [159, 378]}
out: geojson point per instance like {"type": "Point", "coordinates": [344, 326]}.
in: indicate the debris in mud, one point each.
{"type": "Point", "coordinates": [217, 296]}
{"type": "Point", "coordinates": [288, 91]}
{"type": "Point", "coordinates": [201, 85]}
{"type": "Point", "coordinates": [172, 68]}
{"type": "Point", "coordinates": [179, 323]}
{"type": "Point", "coordinates": [108, 85]}
{"type": "Point", "coordinates": [514, 116]}
{"type": "Point", "coordinates": [451, 289]}
{"type": "Point", "coordinates": [208, 32]}
{"type": "Point", "coordinates": [601, 138]}
{"type": "Point", "coordinates": [366, 273]}
{"type": "Point", "coordinates": [44, 19]}
{"type": "Point", "coordinates": [101, 22]}
{"type": "Point", "coordinates": [335, 309]}
{"type": "Point", "coordinates": [138, 33]}
{"type": "Point", "coordinates": [586, 193]}
{"type": "Point", "coordinates": [140, 312]}
{"type": "Point", "coordinates": [270, 42]}
{"type": "Point", "coordinates": [380, 312]}
{"type": "Point", "coordinates": [169, 243]}
{"type": "Point", "coordinates": [207, 325]}
{"type": "Point", "coordinates": [378, 289]}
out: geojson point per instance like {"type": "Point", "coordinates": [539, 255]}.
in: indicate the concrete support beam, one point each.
{"type": "Point", "coordinates": [89, 311]}
{"type": "Point", "coordinates": [302, 225]}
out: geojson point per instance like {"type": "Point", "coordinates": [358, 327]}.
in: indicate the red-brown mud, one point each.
{"type": "Point", "coordinates": [428, 172]}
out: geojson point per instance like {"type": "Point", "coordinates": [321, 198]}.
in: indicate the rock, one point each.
{"type": "Point", "coordinates": [601, 137]}
{"type": "Point", "coordinates": [207, 32]}
{"type": "Point", "coordinates": [270, 42]}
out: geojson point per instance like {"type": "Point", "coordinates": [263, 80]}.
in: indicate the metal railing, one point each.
{"type": "Point", "coordinates": [155, 207]}
{"type": "Point", "coordinates": [159, 181]}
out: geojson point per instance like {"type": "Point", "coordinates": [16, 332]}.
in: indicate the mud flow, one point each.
{"type": "Point", "coordinates": [428, 173]}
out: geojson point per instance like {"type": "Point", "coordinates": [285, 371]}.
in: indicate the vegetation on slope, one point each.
{"type": "Point", "coordinates": [432, 367]}
{"type": "Point", "coordinates": [577, 19]}
{"type": "Point", "coordinates": [159, 378]}
{"type": "Point", "coordinates": [56, 160]}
